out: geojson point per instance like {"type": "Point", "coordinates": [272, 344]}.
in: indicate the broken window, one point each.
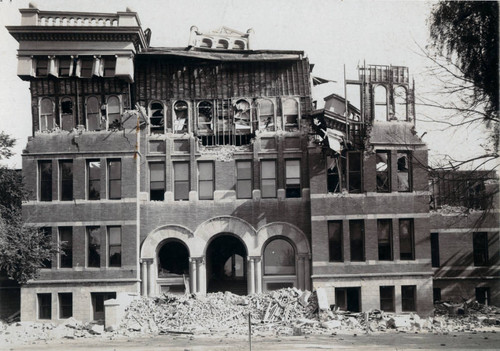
{"type": "Point", "coordinates": [66, 245]}
{"type": "Point", "coordinates": [157, 181]}
{"type": "Point", "coordinates": [243, 117]}
{"type": "Point", "coordinates": [333, 175]}
{"type": "Point", "coordinates": [335, 241]}
{"type": "Point", "coordinates": [205, 117]}
{"type": "Point", "coordinates": [268, 178]}
{"type": "Point", "coordinates": [115, 179]}
{"type": "Point", "coordinates": [279, 258]}
{"type": "Point", "coordinates": [45, 186]}
{"type": "Point", "coordinates": [47, 235]}
{"type": "Point", "coordinates": [404, 171]}
{"type": "Point", "coordinates": [42, 67]}
{"type": "Point", "coordinates": [98, 303]}
{"type": "Point", "coordinates": [181, 115]}
{"type": "Point", "coordinates": [480, 248]}
{"type": "Point", "coordinates": [387, 298]}
{"type": "Point", "coordinates": [173, 260]}
{"type": "Point", "coordinates": [436, 294]}
{"type": "Point", "coordinates": [400, 106]}
{"type": "Point", "coordinates": [406, 239]}
{"type": "Point", "coordinates": [383, 166]}
{"type": "Point", "coordinates": [380, 103]}
{"type": "Point", "coordinates": [66, 176]}
{"type": "Point", "coordinates": [266, 115]}
{"type": "Point", "coordinates": [354, 171]}
{"type": "Point", "coordinates": [93, 247]}
{"type": "Point", "coordinates": [44, 306]}
{"type": "Point", "coordinates": [291, 115]}
{"type": "Point", "coordinates": [115, 246]}
{"type": "Point", "coordinates": [292, 181]}
{"type": "Point", "coordinates": [94, 180]}
{"type": "Point", "coordinates": [47, 121]}
{"type": "Point", "coordinates": [408, 298]}
{"type": "Point", "coordinates": [181, 180]}
{"type": "Point", "coordinates": [114, 112]}
{"type": "Point", "coordinates": [435, 249]}
{"type": "Point", "coordinates": [244, 179]}
{"type": "Point", "coordinates": [357, 239]}
{"type": "Point", "coordinates": [384, 231]}
{"type": "Point", "coordinates": [483, 295]}
{"type": "Point", "coordinates": [67, 116]}
{"type": "Point", "coordinates": [86, 67]}
{"type": "Point", "coordinates": [206, 180]}
{"type": "Point", "coordinates": [348, 299]}
{"type": "Point", "coordinates": [65, 305]}
{"type": "Point", "coordinates": [65, 66]}
{"type": "Point", "coordinates": [157, 118]}
{"type": "Point", "coordinates": [109, 66]}
{"type": "Point", "coordinates": [93, 110]}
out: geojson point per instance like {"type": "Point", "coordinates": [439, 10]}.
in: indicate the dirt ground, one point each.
{"type": "Point", "coordinates": [486, 340]}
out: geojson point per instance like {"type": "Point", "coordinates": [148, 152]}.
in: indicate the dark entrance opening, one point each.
{"type": "Point", "coordinates": [173, 260]}
{"type": "Point", "coordinates": [226, 265]}
{"type": "Point", "coordinates": [348, 299]}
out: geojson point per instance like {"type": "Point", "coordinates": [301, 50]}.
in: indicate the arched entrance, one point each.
{"type": "Point", "coordinates": [173, 266]}
{"type": "Point", "coordinates": [226, 258]}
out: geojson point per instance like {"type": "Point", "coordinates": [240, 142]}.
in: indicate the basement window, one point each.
{"type": "Point", "coordinates": [65, 305]}
{"type": "Point", "coordinates": [348, 299]}
{"type": "Point", "coordinates": [98, 299]}
{"type": "Point", "coordinates": [44, 306]}
{"type": "Point", "coordinates": [408, 298]}
{"type": "Point", "coordinates": [483, 295]}
{"type": "Point", "coordinates": [387, 298]}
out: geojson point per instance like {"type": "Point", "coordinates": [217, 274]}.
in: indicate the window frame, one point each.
{"type": "Point", "coordinates": [181, 181]}
{"type": "Point", "coordinates": [350, 173]}
{"type": "Point", "coordinates": [63, 115]}
{"type": "Point", "coordinates": [409, 171]}
{"type": "Point", "coordinates": [379, 103]}
{"type": "Point", "coordinates": [41, 182]}
{"type": "Point", "coordinates": [330, 174]}
{"type": "Point", "coordinates": [65, 304]}
{"type": "Point", "coordinates": [481, 239]}
{"type": "Point", "coordinates": [88, 231]}
{"type": "Point", "coordinates": [163, 188]}
{"type": "Point", "coordinates": [105, 62]}
{"type": "Point", "coordinates": [38, 67]}
{"type": "Point", "coordinates": [239, 179]}
{"type": "Point", "coordinates": [66, 260]}
{"type": "Point", "coordinates": [352, 222]}
{"type": "Point", "coordinates": [110, 260]}
{"type": "Point", "coordinates": [62, 181]}
{"type": "Point", "coordinates": [387, 172]}
{"type": "Point", "coordinates": [120, 112]}
{"type": "Point", "coordinates": [40, 312]}
{"type": "Point", "coordinates": [390, 239]}
{"type": "Point", "coordinates": [262, 179]}
{"type": "Point", "coordinates": [153, 127]}
{"type": "Point", "coordinates": [98, 114]}
{"type": "Point", "coordinates": [286, 125]}
{"type": "Point", "coordinates": [113, 180]}
{"type": "Point", "coordinates": [331, 242]}
{"type": "Point", "coordinates": [60, 60]}
{"type": "Point", "coordinates": [187, 123]}
{"type": "Point", "coordinates": [408, 299]}
{"type": "Point", "coordinates": [92, 180]}
{"type": "Point", "coordinates": [392, 300]}
{"type": "Point", "coordinates": [261, 128]}
{"type": "Point", "coordinates": [264, 272]}
{"type": "Point", "coordinates": [201, 182]}
{"type": "Point", "coordinates": [435, 259]}
{"type": "Point", "coordinates": [45, 116]}
{"type": "Point", "coordinates": [80, 64]}
{"type": "Point", "coordinates": [397, 101]}
{"type": "Point", "coordinates": [290, 194]}
{"type": "Point", "coordinates": [411, 238]}
{"type": "Point", "coordinates": [205, 128]}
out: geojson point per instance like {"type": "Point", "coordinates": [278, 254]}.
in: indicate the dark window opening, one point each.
{"type": "Point", "coordinates": [333, 175]}
{"type": "Point", "coordinates": [115, 246]}
{"type": "Point", "coordinates": [65, 305]}
{"type": "Point", "coordinates": [86, 67]}
{"type": "Point", "coordinates": [45, 180]}
{"type": "Point", "coordinates": [181, 181]}
{"type": "Point", "coordinates": [94, 247]}
{"type": "Point", "coordinates": [157, 181]}
{"type": "Point", "coordinates": [292, 183]}
{"type": "Point", "coordinates": [243, 122]}
{"type": "Point", "coordinates": [173, 260]}
{"type": "Point", "coordinates": [181, 111]}
{"type": "Point", "coordinates": [114, 113]}
{"type": "Point", "coordinates": [94, 180]}
{"type": "Point", "coordinates": [279, 258]}
{"type": "Point", "coordinates": [348, 299]}
{"type": "Point", "coordinates": [66, 168]}
{"type": "Point", "coordinates": [268, 178]}
{"type": "Point", "coordinates": [157, 119]}
{"type": "Point", "coordinates": [109, 66]}
{"type": "Point", "coordinates": [66, 244]}
{"type": "Point", "coordinates": [357, 240]}
{"type": "Point", "coordinates": [44, 306]}
{"type": "Point", "coordinates": [244, 179]}
{"type": "Point", "coordinates": [67, 122]}
{"type": "Point", "coordinates": [98, 303]}
{"type": "Point", "coordinates": [383, 166]}
{"type": "Point", "coordinates": [335, 241]}
{"type": "Point", "coordinates": [406, 239]}
{"type": "Point", "coordinates": [65, 66]}
{"type": "Point", "coordinates": [266, 115]}
{"type": "Point", "coordinates": [387, 298]}
{"type": "Point", "coordinates": [47, 234]}
{"type": "Point", "coordinates": [42, 66]}
{"type": "Point", "coordinates": [435, 249]}
{"type": "Point", "coordinates": [404, 171]}
{"type": "Point", "coordinates": [480, 249]}
{"type": "Point", "coordinates": [206, 180]}
{"type": "Point", "coordinates": [384, 231]}
{"type": "Point", "coordinates": [354, 171]}
{"type": "Point", "coordinates": [115, 179]}
{"type": "Point", "coordinates": [436, 294]}
{"type": "Point", "coordinates": [94, 120]}
{"type": "Point", "coordinates": [408, 298]}
{"type": "Point", "coordinates": [205, 117]}
{"type": "Point", "coordinates": [291, 115]}
{"type": "Point", "coordinates": [483, 295]}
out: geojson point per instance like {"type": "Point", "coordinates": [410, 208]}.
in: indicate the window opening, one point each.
{"type": "Point", "coordinates": [404, 170]}
{"type": "Point", "coordinates": [380, 103]}
{"type": "Point", "coordinates": [181, 117]}
{"type": "Point", "coordinates": [483, 295]}
{"type": "Point", "coordinates": [206, 180]}
{"type": "Point", "coordinates": [384, 230]}
{"type": "Point", "coordinates": [93, 247]}
{"type": "Point", "coordinates": [157, 181]}
{"type": "Point", "coordinates": [383, 171]}
{"type": "Point", "coordinates": [157, 119]}
{"type": "Point", "coordinates": [357, 239]}
{"type": "Point", "coordinates": [268, 178]}
{"type": "Point", "coordinates": [348, 299]}
{"type": "Point", "coordinates": [113, 111]}
{"type": "Point", "coordinates": [109, 66]}
{"type": "Point", "coordinates": [354, 171]}
{"type": "Point", "coordinates": [98, 303]}
{"type": "Point", "coordinates": [335, 241]}
{"type": "Point", "coordinates": [47, 121]}
{"type": "Point", "coordinates": [181, 181]}
{"type": "Point", "coordinates": [387, 298]}
{"type": "Point", "coordinates": [115, 179]}
{"type": "Point", "coordinates": [86, 67]}
{"type": "Point", "coordinates": [66, 244]}
{"type": "Point", "coordinates": [244, 179]}
{"type": "Point", "coordinates": [173, 260]}
{"type": "Point", "coordinates": [243, 117]}
{"type": "Point", "coordinates": [408, 298]}
{"type": "Point", "coordinates": [65, 66]}
{"type": "Point", "coordinates": [66, 169]}
{"type": "Point", "coordinates": [47, 235]}
{"type": "Point", "coordinates": [291, 115]}
{"type": "Point", "coordinates": [44, 306]}
{"type": "Point", "coordinates": [279, 258]}
{"type": "Point", "coordinates": [94, 120]}
{"type": "Point", "coordinates": [406, 239]}
{"type": "Point", "coordinates": [205, 117]}
{"type": "Point", "coordinates": [45, 180]}
{"type": "Point", "coordinates": [206, 43]}
{"type": "Point", "coordinates": [67, 122]}
{"type": "Point", "coordinates": [94, 182]}
{"type": "Point", "coordinates": [222, 44]}
{"type": "Point", "coordinates": [436, 294]}
{"type": "Point", "coordinates": [480, 248]}
{"type": "Point", "coordinates": [65, 305]}
{"type": "Point", "coordinates": [42, 66]}
{"type": "Point", "coordinates": [435, 249]}
{"type": "Point", "coordinates": [333, 175]}
{"type": "Point", "coordinates": [292, 183]}
{"type": "Point", "coordinates": [266, 116]}
{"type": "Point", "coordinates": [400, 103]}
{"type": "Point", "coordinates": [115, 246]}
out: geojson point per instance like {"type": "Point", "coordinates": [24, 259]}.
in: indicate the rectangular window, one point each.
{"type": "Point", "coordinates": [45, 178]}
{"type": "Point", "coordinates": [354, 172]}
{"type": "Point", "coordinates": [406, 240]}
{"type": "Point", "coordinates": [65, 65]}
{"type": "Point", "coordinates": [480, 248]}
{"type": "Point", "coordinates": [292, 173]}
{"type": "Point", "coordinates": [333, 175]}
{"type": "Point", "coordinates": [387, 298]}
{"type": "Point", "coordinates": [44, 306]}
{"type": "Point", "coordinates": [404, 171]}
{"type": "Point", "coordinates": [94, 180]}
{"type": "Point", "coordinates": [181, 180]}
{"type": "Point", "coordinates": [66, 176]}
{"type": "Point", "coordinates": [383, 167]}
{"type": "Point", "coordinates": [436, 294]}
{"type": "Point", "coordinates": [435, 249]}
{"type": "Point", "coordinates": [115, 179]}
{"type": "Point", "coordinates": [357, 239]}
{"type": "Point", "coordinates": [47, 234]}
{"type": "Point", "coordinates": [87, 67]}
{"type": "Point", "coordinates": [42, 66]}
{"type": "Point", "coordinates": [66, 244]}
{"type": "Point", "coordinates": [98, 303]}
{"type": "Point", "coordinates": [115, 246]}
{"type": "Point", "coordinates": [65, 305]}
{"type": "Point", "coordinates": [335, 241]}
{"type": "Point", "coordinates": [408, 298]}
{"type": "Point", "coordinates": [483, 295]}
{"type": "Point", "coordinates": [93, 247]}
{"type": "Point", "coordinates": [109, 66]}
{"type": "Point", "coordinates": [268, 178]}
{"type": "Point", "coordinates": [244, 179]}
{"type": "Point", "coordinates": [205, 180]}
{"type": "Point", "coordinates": [157, 181]}
{"type": "Point", "coordinates": [384, 233]}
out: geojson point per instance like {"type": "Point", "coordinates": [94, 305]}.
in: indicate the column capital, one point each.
{"type": "Point", "coordinates": [250, 258]}
{"type": "Point", "coordinates": [255, 258]}
{"type": "Point", "coordinates": [147, 260]}
{"type": "Point", "coordinates": [199, 260]}
{"type": "Point", "coordinates": [304, 257]}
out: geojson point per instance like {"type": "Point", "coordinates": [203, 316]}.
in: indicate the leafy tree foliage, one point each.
{"type": "Point", "coordinates": [6, 144]}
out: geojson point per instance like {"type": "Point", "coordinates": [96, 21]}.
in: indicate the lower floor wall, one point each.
{"type": "Point", "coordinates": [485, 291]}
{"type": "Point", "coordinates": [399, 294]}
{"type": "Point", "coordinates": [57, 302]}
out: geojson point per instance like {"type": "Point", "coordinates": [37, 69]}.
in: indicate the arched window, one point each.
{"type": "Point", "coordinates": [400, 111]}
{"type": "Point", "coordinates": [266, 115]}
{"type": "Point", "coordinates": [206, 43]}
{"type": "Point", "coordinates": [291, 115]}
{"type": "Point", "coordinates": [279, 258]}
{"type": "Point", "coordinates": [181, 115]}
{"type": "Point", "coordinates": [114, 112]}
{"type": "Point", "coordinates": [67, 115]}
{"type": "Point", "coordinates": [157, 118]}
{"type": "Point", "coordinates": [380, 103]}
{"type": "Point", "coordinates": [243, 116]}
{"type": "Point", "coordinates": [47, 121]}
{"type": "Point", "coordinates": [173, 260]}
{"type": "Point", "coordinates": [205, 116]}
{"type": "Point", "coordinates": [93, 110]}
{"type": "Point", "coordinates": [222, 44]}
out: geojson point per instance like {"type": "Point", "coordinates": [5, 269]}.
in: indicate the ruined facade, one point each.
{"type": "Point", "coordinates": [197, 168]}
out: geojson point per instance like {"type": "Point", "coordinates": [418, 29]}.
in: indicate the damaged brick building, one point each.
{"type": "Point", "coordinates": [199, 168]}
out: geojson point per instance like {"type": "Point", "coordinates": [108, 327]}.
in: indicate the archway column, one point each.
{"type": "Point", "coordinates": [258, 274]}
{"type": "Point", "coordinates": [202, 275]}
{"type": "Point", "coordinates": [193, 274]}
{"type": "Point", "coordinates": [251, 275]}
{"type": "Point", "coordinates": [144, 277]}
{"type": "Point", "coordinates": [303, 272]}
{"type": "Point", "coordinates": [147, 278]}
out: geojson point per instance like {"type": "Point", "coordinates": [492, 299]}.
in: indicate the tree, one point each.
{"type": "Point", "coordinates": [23, 249]}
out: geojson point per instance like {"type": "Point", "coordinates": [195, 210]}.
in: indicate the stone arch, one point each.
{"type": "Point", "coordinates": [150, 245]}
{"type": "Point", "coordinates": [284, 230]}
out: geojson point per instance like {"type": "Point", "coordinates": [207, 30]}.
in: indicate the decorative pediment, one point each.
{"type": "Point", "coordinates": [226, 31]}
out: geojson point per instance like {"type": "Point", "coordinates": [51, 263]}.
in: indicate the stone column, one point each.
{"type": "Point", "coordinates": [300, 272]}
{"type": "Point", "coordinates": [202, 275]}
{"type": "Point", "coordinates": [307, 272]}
{"type": "Point", "coordinates": [258, 275]}
{"type": "Point", "coordinates": [193, 274]}
{"type": "Point", "coordinates": [151, 280]}
{"type": "Point", "coordinates": [144, 278]}
{"type": "Point", "coordinates": [251, 275]}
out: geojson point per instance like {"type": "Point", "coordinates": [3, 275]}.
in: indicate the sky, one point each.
{"type": "Point", "coordinates": [332, 33]}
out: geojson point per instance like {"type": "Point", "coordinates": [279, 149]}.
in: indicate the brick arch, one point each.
{"type": "Point", "coordinates": [228, 224]}
{"type": "Point", "coordinates": [194, 244]}
{"type": "Point", "coordinates": [287, 230]}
